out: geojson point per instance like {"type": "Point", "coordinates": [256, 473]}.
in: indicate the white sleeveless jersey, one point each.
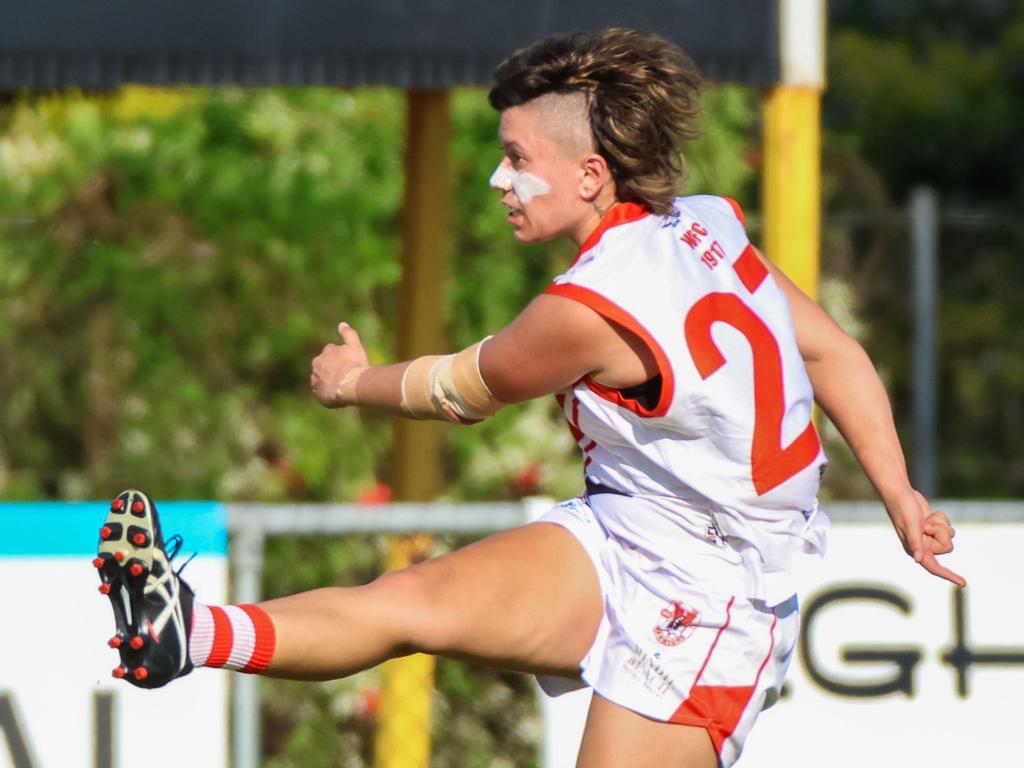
{"type": "Point", "coordinates": [730, 434]}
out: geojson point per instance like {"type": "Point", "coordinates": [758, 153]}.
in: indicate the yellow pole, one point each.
{"type": "Point", "coordinates": [792, 145]}
{"type": "Point", "coordinates": [792, 182]}
{"type": "Point", "coordinates": [403, 730]}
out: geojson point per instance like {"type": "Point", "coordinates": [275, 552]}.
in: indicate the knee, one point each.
{"type": "Point", "coordinates": [422, 619]}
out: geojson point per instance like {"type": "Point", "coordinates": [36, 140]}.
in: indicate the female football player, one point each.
{"type": "Point", "coordinates": [686, 366]}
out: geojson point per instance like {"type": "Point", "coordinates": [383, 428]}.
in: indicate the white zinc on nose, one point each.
{"type": "Point", "coordinates": [525, 185]}
{"type": "Point", "coordinates": [502, 177]}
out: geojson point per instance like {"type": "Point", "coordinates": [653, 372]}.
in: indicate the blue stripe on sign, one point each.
{"type": "Point", "coordinates": [72, 528]}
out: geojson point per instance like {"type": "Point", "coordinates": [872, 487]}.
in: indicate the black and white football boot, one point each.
{"type": "Point", "coordinates": [152, 604]}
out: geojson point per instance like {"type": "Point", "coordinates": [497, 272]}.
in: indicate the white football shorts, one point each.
{"type": "Point", "coordinates": [679, 645]}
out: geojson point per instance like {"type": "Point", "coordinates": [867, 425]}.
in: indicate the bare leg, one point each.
{"type": "Point", "coordinates": [526, 599]}
{"type": "Point", "coordinates": [615, 737]}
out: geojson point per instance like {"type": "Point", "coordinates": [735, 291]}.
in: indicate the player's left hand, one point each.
{"type": "Point", "coordinates": [924, 533]}
{"type": "Point", "coordinates": [334, 363]}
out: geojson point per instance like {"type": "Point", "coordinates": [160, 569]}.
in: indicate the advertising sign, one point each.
{"type": "Point", "coordinates": [894, 667]}
{"type": "Point", "coordinates": [59, 706]}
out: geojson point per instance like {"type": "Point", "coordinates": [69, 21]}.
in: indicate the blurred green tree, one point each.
{"type": "Point", "coordinates": [170, 261]}
{"type": "Point", "coordinates": [932, 92]}
{"type": "Point", "coordinates": [167, 276]}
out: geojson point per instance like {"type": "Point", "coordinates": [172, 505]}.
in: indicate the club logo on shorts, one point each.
{"type": "Point", "coordinates": [679, 624]}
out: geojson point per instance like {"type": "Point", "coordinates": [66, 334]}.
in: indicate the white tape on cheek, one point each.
{"type": "Point", "coordinates": [524, 184]}
{"type": "Point", "coordinates": [527, 186]}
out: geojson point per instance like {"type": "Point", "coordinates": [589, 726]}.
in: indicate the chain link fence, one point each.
{"type": "Point", "coordinates": [868, 282]}
{"type": "Point", "coordinates": [946, 335]}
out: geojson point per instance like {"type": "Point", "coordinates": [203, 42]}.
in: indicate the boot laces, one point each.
{"type": "Point", "coordinates": [173, 546]}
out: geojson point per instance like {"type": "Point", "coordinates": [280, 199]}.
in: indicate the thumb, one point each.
{"type": "Point", "coordinates": [915, 541]}
{"type": "Point", "coordinates": [911, 532]}
{"type": "Point", "coordinates": [348, 334]}
{"type": "Point", "coordinates": [909, 518]}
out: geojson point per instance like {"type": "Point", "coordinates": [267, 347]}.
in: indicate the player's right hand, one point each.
{"type": "Point", "coordinates": [336, 362]}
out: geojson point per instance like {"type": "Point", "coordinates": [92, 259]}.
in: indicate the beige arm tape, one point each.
{"type": "Point", "coordinates": [448, 387]}
{"type": "Point", "coordinates": [417, 401]}
{"type": "Point", "coordinates": [346, 392]}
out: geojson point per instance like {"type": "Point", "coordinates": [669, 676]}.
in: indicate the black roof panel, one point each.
{"type": "Point", "coordinates": [424, 43]}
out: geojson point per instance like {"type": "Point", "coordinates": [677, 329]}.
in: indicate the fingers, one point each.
{"type": "Point", "coordinates": [335, 361]}
{"type": "Point", "coordinates": [924, 533]}
{"type": "Point", "coordinates": [348, 334]}
{"type": "Point", "coordinates": [939, 540]}
{"type": "Point", "coordinates": [934, 567]}
{"type": "Point", "coordinates": [911, 532]}
{"type": "Point", "coordinates": [938, 517]}
{"type": "Point", "coordinates": [319, 387]}
{"type": "Point", "coordinates": [352, 345]}
{"type": "Point", "coordinates": [935, 537]}
{"type": "Point", "coordinates": [938, 533]}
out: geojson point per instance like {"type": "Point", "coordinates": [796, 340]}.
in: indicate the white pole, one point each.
{"type": "Point", "coordinates": [802, 42]}
{"type": "Point", "coordinates": [247, 571]}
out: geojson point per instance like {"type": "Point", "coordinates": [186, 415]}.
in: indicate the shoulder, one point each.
{"type": "Point", "coordinates": [717, 206]}
{"type": "Point", "coordinates": [551, 345]}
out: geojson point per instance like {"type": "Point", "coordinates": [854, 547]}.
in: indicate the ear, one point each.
{"type": "Point", "coordinates": [596, 176]}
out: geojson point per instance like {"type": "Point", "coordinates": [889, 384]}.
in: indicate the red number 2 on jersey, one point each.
{"type": "Point", "coordinates": [771, 463]}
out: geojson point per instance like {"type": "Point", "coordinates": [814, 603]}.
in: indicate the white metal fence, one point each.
{"type": "Point", "coordinates": [250, 525]}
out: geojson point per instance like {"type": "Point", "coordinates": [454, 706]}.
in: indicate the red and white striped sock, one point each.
{"type": "Point", "coordinates": [232, 636]}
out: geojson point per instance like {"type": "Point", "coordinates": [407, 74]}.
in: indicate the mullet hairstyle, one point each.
{"type": "Point", "coordinates": [643, 96]}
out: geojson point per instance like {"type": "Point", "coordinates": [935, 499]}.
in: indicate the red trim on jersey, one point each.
{"type": "Point", "coordinates": [223, 638]}
{"type": "Point", "coordinates": [573, 422]}
{"type": "Point", "coordinates": [736, 209]}
{"type": "Point", "coordinates": [623, 213]}
{"type": "Point", "coordinates": [266, 639]}
{"type": "Point", "coordinates": [750, 269]}
{"type": "Point", "coordinates": [574, 430]}
{"type": "Point", "coordinates": [618, 315]}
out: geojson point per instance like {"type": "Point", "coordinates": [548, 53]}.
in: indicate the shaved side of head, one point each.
{"type": "Point", "coordinates": [565, 118]}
